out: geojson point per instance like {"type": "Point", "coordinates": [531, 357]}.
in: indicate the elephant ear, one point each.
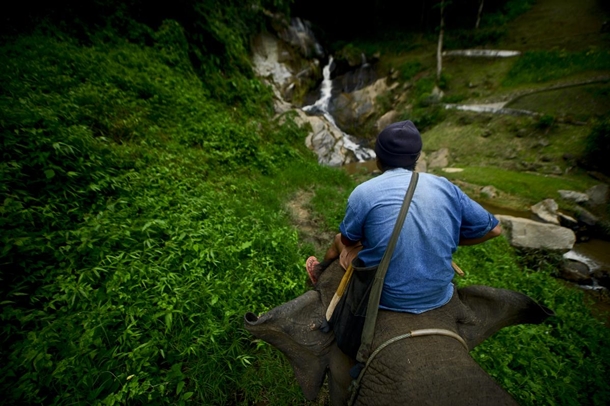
{"type": "Point", "coordinates": [490, 309]}
{"type": "Point", "coordinates": [294, 329]}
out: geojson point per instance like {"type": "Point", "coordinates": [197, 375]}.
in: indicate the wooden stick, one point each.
{"type": "Point", "coordinates": [340, 291]}
{"type": "Point", "coordinates": [457, 269]}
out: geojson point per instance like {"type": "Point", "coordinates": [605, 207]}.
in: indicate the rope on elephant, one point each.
{"type": "Point", "coordinates": [415, 333]}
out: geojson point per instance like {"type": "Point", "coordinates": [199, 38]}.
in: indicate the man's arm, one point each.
{"type": "Point", "coordinates": [494, 232]}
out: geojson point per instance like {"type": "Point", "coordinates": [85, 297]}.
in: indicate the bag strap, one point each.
{"type": "Point", "coordinates": [373, 305]}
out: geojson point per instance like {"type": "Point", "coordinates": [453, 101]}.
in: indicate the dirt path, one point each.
{"type": "Point", "coordinates": [309, 230]}
{"type": "Point", "coordinates": [572, 25]}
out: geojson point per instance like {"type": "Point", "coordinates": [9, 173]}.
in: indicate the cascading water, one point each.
{"type": "Point", "coordinates": [321, 107]}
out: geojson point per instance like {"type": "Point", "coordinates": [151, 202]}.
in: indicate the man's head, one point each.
{"type": "Point", "coordinates": [398, 146]}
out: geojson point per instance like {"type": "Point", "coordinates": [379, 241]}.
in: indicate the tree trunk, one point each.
{"type": "Point", "coordinates": [439, 50]}
{"type": "Point", "coordinates": [481, 2]}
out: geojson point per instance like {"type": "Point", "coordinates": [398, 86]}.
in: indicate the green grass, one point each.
{"type": "Point", "coordinates": [529, 186]}
{"type": "Point", "coordinates": [544, 66]}
{"type": "Point", "coordinates": [547, 364]}
{"type": "Point", "coordinates": [579, 103]}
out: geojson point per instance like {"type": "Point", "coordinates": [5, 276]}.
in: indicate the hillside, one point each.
{"type": "Point", "coordinates": [150, 198]}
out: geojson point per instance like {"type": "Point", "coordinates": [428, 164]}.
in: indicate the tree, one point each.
{"type": "Point", "coordinates": [481, 3]}
{"type": "Point", "coordinates": [439, 48]}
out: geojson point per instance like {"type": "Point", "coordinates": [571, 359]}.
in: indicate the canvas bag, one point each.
{"type": "Point", "coordinates": [353, 319]}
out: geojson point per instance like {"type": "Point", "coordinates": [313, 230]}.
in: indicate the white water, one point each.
{"type": "Point", "coordinates": [321, 105]}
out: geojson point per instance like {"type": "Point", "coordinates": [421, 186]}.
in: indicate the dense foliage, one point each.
{"type": "Point", "coordinates": [598, 146]}
{"type": "Point", "coordinates": [562, 361]}
{"type": "Point", "coordinates": [364, 19]}
{"type": "Point", "coordinates": [142, 190]}
{"type": "Point", "coordinates": [139, 223]}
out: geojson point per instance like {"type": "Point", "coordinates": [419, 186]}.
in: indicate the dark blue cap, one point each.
{"type": "Point", "coordinates": [399, 144]}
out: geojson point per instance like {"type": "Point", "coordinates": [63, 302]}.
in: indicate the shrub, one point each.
{"type": "Point", "coordinates": [409, 69]}
{"type": "Point", "coordinates": [597, 146]}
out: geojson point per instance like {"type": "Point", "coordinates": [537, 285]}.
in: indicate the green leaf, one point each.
{"type": "Point", "coordinates": [49, 173]}
{"type": "Point", "coordinates": [180, 387]}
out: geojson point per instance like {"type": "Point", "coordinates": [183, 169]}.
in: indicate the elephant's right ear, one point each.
{"type": "Point", "coordinates": [492, 309]}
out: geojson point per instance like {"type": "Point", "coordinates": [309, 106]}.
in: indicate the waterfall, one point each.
{"type": "Point", "coordinates": [321, 107]}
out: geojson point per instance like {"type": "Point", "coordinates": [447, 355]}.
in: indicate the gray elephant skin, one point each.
{"type": "Point", "coordinates": [432, 370]}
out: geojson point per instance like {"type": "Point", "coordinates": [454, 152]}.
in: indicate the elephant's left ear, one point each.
{"type": "Point", "coordinates": [492, 309]}
{"type": "Point", "coordinates": [294, 329]}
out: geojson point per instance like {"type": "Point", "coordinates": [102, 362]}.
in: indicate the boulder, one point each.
{"type": "Point", "coordinates": [326, 140]}
{"type": "Point", "coordinates": [598, 195]}
{"type": "Point", "coordinates": [489, 192]}
{"type": "Point", "coordinates": [439, 159]}
{"type": "Point", "coordinates": [567, 221]}
{"type": "Point", "coordinates": [524, 233]}
{"type": "Point", "coordinates": [573, 196]}
{"type": "Point", "coordinates": [576, 271]}
{"type": "Point", "coordinates": [387, 119]}
{"type": "Point", "coordinates": [586, 217]}
{"type": "Point", "coordinates": [422, 164]}
{"type": "Point", "coordinates": [603, 277]}
{"type": "Point", "coordinates": [352, 110]}
{"type": "Point", "coordinates": [546, 211]}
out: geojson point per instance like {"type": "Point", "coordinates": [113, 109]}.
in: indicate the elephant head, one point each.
{"type": "Point", "coordinates": [433, 369]}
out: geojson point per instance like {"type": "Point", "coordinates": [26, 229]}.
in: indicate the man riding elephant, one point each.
{"type": "Point", "coordinates": [418, 296]}
{"type": "Point", "coordinates": [441, 217]}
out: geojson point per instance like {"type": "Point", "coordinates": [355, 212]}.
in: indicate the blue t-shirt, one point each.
{"type": "Point", "coordinates": [420, 273]}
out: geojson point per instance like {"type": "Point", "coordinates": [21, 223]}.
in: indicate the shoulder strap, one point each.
{"type": "Point", "coordinates": [373, 305]}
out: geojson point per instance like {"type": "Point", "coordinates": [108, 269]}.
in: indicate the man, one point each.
{"type": "Point", "coordinates": [440, 218]}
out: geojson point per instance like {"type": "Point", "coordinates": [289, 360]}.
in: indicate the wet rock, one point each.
{"type": "Point", "coordinates": [567, 221]}
{"type": "Point", "coordinates": [598, 195]}
{"type": "Point", "coordinates": [576, 271]}
{"type": "Point", "coordinates": [326, 140]}
{"type": "Point", "coordinates": [439, 159]}
{"type": "Point", "coordinates": [266, 59]}
{"type": "Point", "coordinates": [524, 233]}
{"type": "Point", "coordinates": [352, 110]}
{"type": "Point", "coordinates": [603, 277]}
{"type": "Point", "coordinates": [300, 35]}
{"type": "Point", "coordinates": [489, 192]}
{"type": "Point", "coordinates": [573, 196]}
{"type": "Point", "coordinates": [586, 217]}
{"type": "Point", "coordinates": [546, 211]}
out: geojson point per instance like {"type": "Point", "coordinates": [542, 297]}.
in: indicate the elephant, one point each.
{"type": "Point", "coordinates": [432, 369]}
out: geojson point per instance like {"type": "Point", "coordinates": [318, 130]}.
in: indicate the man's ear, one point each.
{"type": "Point", "coordinates": [493, 309]}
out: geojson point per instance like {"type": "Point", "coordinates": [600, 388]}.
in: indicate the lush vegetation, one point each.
{"type": "Point", "coordinates": [143, 184]}
{"type": "Point", "coordinates": [563, 360]}
{"type": "Point", "coordinates": [142, 216]}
